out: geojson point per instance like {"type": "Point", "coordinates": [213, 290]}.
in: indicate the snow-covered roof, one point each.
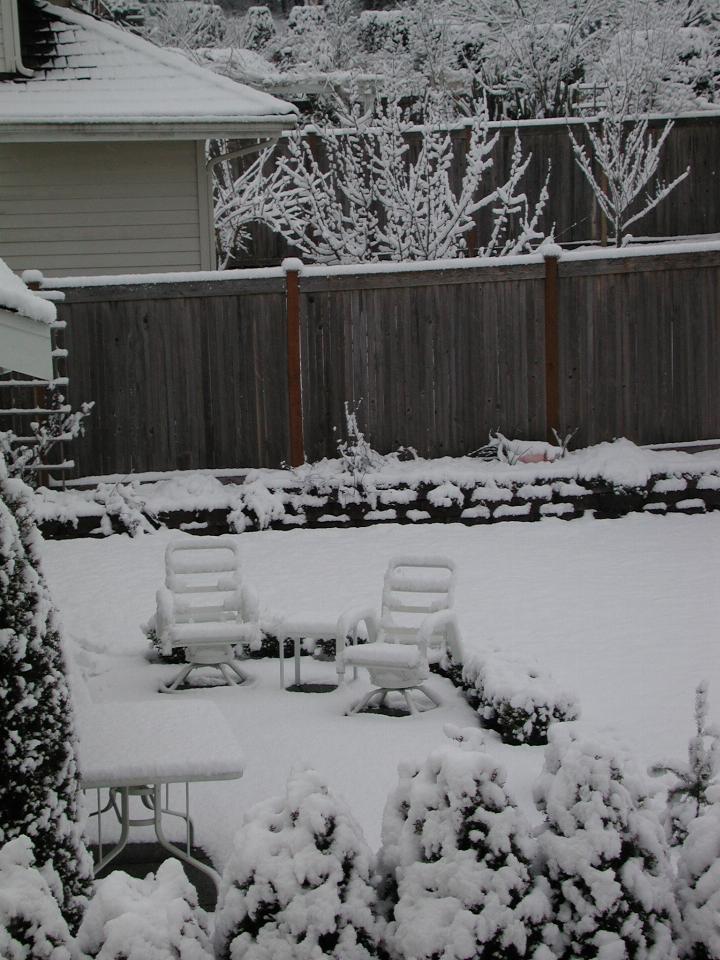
{"type": "Point", "coordinates": [15, 296]}
{"type": "Point", "coordinates": [92, 78]}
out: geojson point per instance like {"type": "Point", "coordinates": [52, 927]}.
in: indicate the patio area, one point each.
{"type": "Point", "coordinates": [623, 613]}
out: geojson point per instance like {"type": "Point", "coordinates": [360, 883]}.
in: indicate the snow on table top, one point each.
{"type": "Point", "coordinates": [100, 72]}
{"type": "Point", "coordinates": [14, 295]}
{"type": "Point", "coordinates": [131, 744]}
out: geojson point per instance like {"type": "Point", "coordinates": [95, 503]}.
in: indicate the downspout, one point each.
{"type": "Point", "coordinates": [11, 18]}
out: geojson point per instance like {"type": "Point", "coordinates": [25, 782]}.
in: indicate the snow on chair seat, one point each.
{"type": "Point", "coordinates": [204, 607]}
{"type": "Point", "coordinates": [415, 624]}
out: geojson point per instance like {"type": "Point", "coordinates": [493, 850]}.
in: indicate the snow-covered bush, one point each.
{"type": "Point", "coordinates": [689, 794]}
{"type": "Point", "coordinates": [359, 194]}
{"type": "Point", "coordinates": [699, 886]}
{"type": "Point", "coordinates": [387, 30]}
{"type": "Point", "coordinates": [455, 859]}
{"type": "Point", "coordinates": [157, 918]}
{"type": "Point", "coordinates": [518, 701]}
{"type": "Point", "coordinates": [23, 458]}
{"type": "Point", "coordinates": [621, 169]}
{"type": "Point", "coordinates": [357, 456]}
{"type": "Point", "coordinates": [38, 769]}
{"type": "Point", "coordinates": [604, 853]}
{"type": "Point", "coordinates": [298, 886]}
{"type": "Point", "coordinates": [31, 924]}
{"type": "Point", "coordinates": [186, 24]}
{"type": "Point", "coordinates": [258, 29]}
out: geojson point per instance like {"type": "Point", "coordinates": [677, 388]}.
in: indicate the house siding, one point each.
{"type": "Point", "coordinates": [73, 209]}
{"type": "Point", "coordinates": [5, 33]}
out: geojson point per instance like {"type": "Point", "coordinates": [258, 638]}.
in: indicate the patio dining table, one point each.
{"type": "Point", "coordinates": [135, 749]}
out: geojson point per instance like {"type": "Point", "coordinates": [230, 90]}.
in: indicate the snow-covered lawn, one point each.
{"type": "Point", "coordinates": [623, 612]}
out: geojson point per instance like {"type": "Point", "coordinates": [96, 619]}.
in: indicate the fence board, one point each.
{"type": "Point", "coordinates": [195, 376]}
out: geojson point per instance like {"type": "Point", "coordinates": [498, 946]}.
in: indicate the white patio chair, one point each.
{"type": "Point", "coordinates": [415, 627]}
{"type": "Point", "coordinates": [205, 608]}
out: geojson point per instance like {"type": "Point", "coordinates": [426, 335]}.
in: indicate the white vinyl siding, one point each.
{"type": "Point", "coordinates": [96, 208]}
{"type": "Point", "coordinates": [9, 39]}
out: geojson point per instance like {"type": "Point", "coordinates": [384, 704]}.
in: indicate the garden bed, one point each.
{"type": "Point", "coordinates": [606, 481]}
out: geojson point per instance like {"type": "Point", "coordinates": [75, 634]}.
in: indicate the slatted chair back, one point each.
{"type": "Point", "coordinates": [415, 587]}
{"type": "Point", "coordinates": [203, 576]}
{"type": "Point", "coordinates": [205, 608]}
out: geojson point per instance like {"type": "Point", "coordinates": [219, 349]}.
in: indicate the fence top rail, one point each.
{"type": "Point", "coordinates": [315, 277]}
{"type": "Point", "coordinates": [530, 124]}
{"type": "Point", "coordinates": [147, 279]}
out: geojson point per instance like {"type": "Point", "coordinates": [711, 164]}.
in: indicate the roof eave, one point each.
{"type": "Point", "coordinates": [160, 128]}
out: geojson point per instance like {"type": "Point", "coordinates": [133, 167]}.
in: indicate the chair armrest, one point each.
{"type": "Point", "coordinates": [164, 619]}
{"type": "Point", "coordinates": [347, 626]}
{"type": "Point", "coordinates": [444, 621]}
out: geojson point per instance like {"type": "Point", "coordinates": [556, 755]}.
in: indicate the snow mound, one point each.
{"type": "Point", "coordinates": [157, 918]}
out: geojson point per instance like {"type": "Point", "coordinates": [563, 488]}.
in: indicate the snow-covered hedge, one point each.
{"type": "Point", "coordinates": [31, 924]}
{"type": "Point", "coordinates": [39, 791]}
{"type": "Point", "coordinates": [157, 918]}
{"type": "Point", "coordinates": [604, 854]}
{"type": "Point", "coordinates": [699, 886]}
{"type": "Point", "coordinates": [455, 858]}
{"type": "Point", "coordinates": [518, 701]}
{"type": "Point", "coordinates": [298, 886]}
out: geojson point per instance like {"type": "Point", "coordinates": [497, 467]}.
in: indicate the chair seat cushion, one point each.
{"type": "Point", "coordinates": [228, 631]}
{"type": "Point", "coordinates": [384, 654]}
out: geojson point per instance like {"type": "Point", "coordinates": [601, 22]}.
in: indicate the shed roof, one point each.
{"type": "Point", "coordinates": [92, 79]}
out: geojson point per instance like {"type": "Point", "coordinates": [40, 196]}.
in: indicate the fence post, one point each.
{"type": "Point", "coordinates": [292, 268]}
{"type": "Point", "coordinates": [551, 252]}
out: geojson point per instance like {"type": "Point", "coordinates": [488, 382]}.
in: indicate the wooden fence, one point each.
{"type": "Point", "coordinates": [693, 208]}
{"type": "Point", "coordinates": [253, 368]}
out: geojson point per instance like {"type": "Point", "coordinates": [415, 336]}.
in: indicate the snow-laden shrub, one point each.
{"type": "Point", "coordinates": [604, 853]}
{"type": "Point", "coordinates": [122, 502]}
{"type": "Point", "coordinates": [455, 860]}
{"type": "Point", "coordinates": [257, 507]}
{"type": "Point", "coordinates": [383, 30]}
{"type": "Point", "coordinates": [157, 918]}
{"type": "Point", "coordinates": [689, 794]}
{"type": "Point", "coordinates": [38, 768]}
{"type": "Point", "coordinates": [518, 701]}
{"type": "Point", "coordinates": [186, 24]}
{"type": "Point", "coordinates": [298, 885]}
{"type": "Point", "coordinates": [699, 886]}
{"type": "Point", "coordinates": [258, 29]}
{"type": "Point", "coordinates": [31, 924]}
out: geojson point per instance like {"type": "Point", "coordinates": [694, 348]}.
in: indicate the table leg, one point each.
{"type": "Point", "coordinates": [296, 647]}
{"type": "Point", "coordinates": [281, 653]}
{"type": "Point", "coordinates": [178, 851]}
{"type": "Point", "coordinates": [124, 830]}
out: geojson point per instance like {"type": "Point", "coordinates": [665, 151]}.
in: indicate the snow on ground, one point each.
{"type": "Point", "coordinates": [623, 612]}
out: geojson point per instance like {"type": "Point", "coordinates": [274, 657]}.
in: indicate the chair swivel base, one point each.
{"type": "Point", "coordinates": [231, 673]}
{"type": "Point", "coordinates": [380, 693]}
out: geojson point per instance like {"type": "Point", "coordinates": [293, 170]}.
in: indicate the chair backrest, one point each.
{"type": "Point", "coordinates": [413, 588]}
{"type": "Point", "coordinates": [203, 576]}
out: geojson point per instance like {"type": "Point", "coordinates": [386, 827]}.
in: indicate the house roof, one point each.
{"type": "Point", "coordinates": [94, 80]}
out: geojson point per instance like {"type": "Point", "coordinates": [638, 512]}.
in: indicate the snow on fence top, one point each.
{"type": "Point", "coordinates": [99, 72]}
{"type": "Point", "coordinates": [416, 266]}
{"type": "Point", "coordinates": [15, 296]}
